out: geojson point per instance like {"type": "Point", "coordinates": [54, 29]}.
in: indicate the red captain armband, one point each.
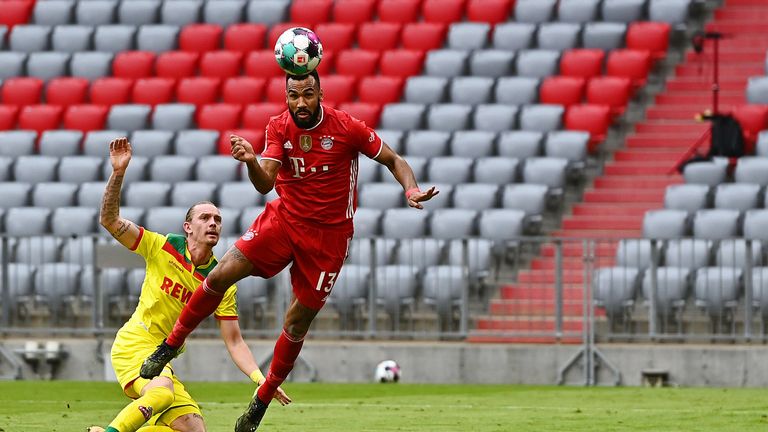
{"type": "Point", "coordinates": [410, 192]}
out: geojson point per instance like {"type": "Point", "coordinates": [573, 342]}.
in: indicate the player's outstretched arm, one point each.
{"type": "Point", "coordinates": [243, 358]}
{"type": "Point", "coordinates": [125, 231]}
{"type": "Point", "coordinates": [262, 174]}
{"type": "Point", "coordinates": [404, 175]}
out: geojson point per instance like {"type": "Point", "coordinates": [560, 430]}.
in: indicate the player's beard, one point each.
{"type": "Point", "coordinates": [311, 121]}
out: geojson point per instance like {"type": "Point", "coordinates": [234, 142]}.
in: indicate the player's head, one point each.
{"type": "Point", "coordinates": [203, 223]}
{"type": "Point", "coordinates": [303, 94]}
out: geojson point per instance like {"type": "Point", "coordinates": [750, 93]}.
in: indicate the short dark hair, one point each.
{"type": "Point", "coordinates": [188, 217]}
{"type": "Point", "coordinates": [312, 74]}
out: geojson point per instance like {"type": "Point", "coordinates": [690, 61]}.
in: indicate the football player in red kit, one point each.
{"type": "Point", "coordinates": [310, 158]}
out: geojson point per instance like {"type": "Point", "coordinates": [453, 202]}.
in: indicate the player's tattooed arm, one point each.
{"type": "Point", "coordinates": [125, 231]}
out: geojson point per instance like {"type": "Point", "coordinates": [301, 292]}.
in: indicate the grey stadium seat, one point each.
{"type": "Point", "coordinates": [137, 170]}
{"type": "Point", "coordinates": [447, 117]}
{"type": "Point", "coordinates": [14, 194]}
{"type": "Point", "coordinates": [114, 38]}
{"type": "Point", "coordinates": [79, 169]}
{"type": "Point", "coordinates": [757, 90]}
{"type": "Point", "coordinates": [54, 195]}
{"type": "Point", "coordinates": [138, 12]}
{"type": "Point", "coordinates": [444, 288]}
{"type": "Point", "coordinates": [545, 170]}
{"type": "Point", "coordinates": [425, 89]}
{"type": "Point", "coordinates": [90, 194]}
{"type": "Point", "coordinates": [53, 12]}
{"type": "Point", "coordinates": [626, 11]}
{"type": "Point", "coordinates": [91, 65]}
{"type": "Point", "coordinates": [671, 11]}
{"type": "Point", "coordinates": [5, 168]}
{"type": "Point", "coordinates": [171, 169]}
{"type": "Point", "coordinates": [446, 63]}
{"type": "Point", "coordinates": [761, 148]}
{"type": "Point", "coordinates": [361, 251]}
{"type": "Point", "coordinates": [17, 143]}
{"type": "Point", "coordinates": [760, 291]}
{"type": "Point", "coordinates": [754, 224]}
{"type": "Point", "coordinates": [558, 36]}
{"type": "Point", "coordinates": [181, 13]}
{"type": "Point", "coordinates": [229, 220]}
{"type": "Point", "coordinates": [157, 38]}
{"type": "Point", "coordinates": [495, 117]}
{"type": "Point", "coordinates": [30, 38]}
{"type": "Point", "coordinates": [238, 195]}
{"type": "Point", "coordinates": [3, 33]}
{"type": "Point", "coordinates": [717, 291]}
{"type": "Point", "coordinates": [672, 287]}
{"type": "Point", "coordinates": [501, 224]}
{"type": "Point", "coordinates": [468, 35]}
{"type": "Point", "coordinates": [25, 221]}
{"type": "Point", "coordinates": [497, 170]}
{"type": "Point", "coordinates": [542, 117]}
{"type": "Point", "coordinates": [453, 223]}
{"type": "Point", "coordinates": [688, 253]}
{"type": "Point", "coordinates": [60, 142]}
{"type": "Point", "coordinates": [96, 143]}
{"type": "Point", "coordinates": [517, 90]}
{"type": "Point", "coordinates": [472, 143]}
{"type": "Point", "coordinates": [716, 224]}
{"type": "Point", "coordinates": [752, 170]}
{"type": "Point", "coordinates": [402, 223]}
{"type": "Point", "coordinates": [534, 11]}
{"type": "Point", "coordinates": [604, 35]}
{"type": "Point", "coordinates": [636, 253]}
{"type": "Point", "coordinates": [48, 65]}
{"type": "Point", "coordinates": [665, 224]}
{"type": "Point", "coordinates": [537, 63]}
{"type": "Point", "coordinates": [577, 11]}
{"type": "Point", "coordinates": [37, 249]}
{"type": "Point", "coordinates": [419, 253]}
{"type": "Point", "coordinates": [248, 216]}
{"type": "Point", "coordinates": [218, 169]}
{"type": "Point", "coordinates": [450, 170]}
{"type": "Point", "coordinates": [80, 250]}
{"type": "Point", "coordinates": [267, 11]}
{"type": "Point", "coordinates": [147, 194]}
{"type": "Point", "coordinates": [350, 292]}
{"type": "Point", "coordinates": [151, 143]}
{"type": "Point", "coordinates": [381, 196]}
{"type": "Point", "coordinates": [128, 117]}
{"type": "Point", "coordinates": [74, 220]}
{"type": "Point", "coordinates": [35, 169]}
{"type": "Point", "coordinates": [571, 145]}
{"type": "Point", "coordinates": [223, 12]}
{"type": "Point", "coordinates": [196, 143]}
{"type": "Point", "coordinates": [165, 219]}
{"type": "Point", "coordinates": [708, 173]}
{"type": "Point", "coordinates": [530, 198]}
{"type": "Point", "coordinates": [72, 38]}
{"type": "Point", "coordinates": [471, 90]}
{"type": "Point", "coordinates": [96, 12]}
{"type": "Point", "coordinates": [12, 64]}
{"type": "Point", "coordinates": [367, 222]}
{"type": "Point", "coordinates": [396, 289]}
{"type": "Point", "coordinates": [688, 197]}
{"type": "Point", "coordinates": [478, 259]}
{"type": "Point", "coordinates": [427, 143]}
{"type": "Point", "coordinates": [733, 253]}
{"type": "Point", "coordinates": [368, 169]}
{"type": "Point", "coordinates": [393, 138]}
{"type": "Point", "coordinates": [443, 199]}
{"type": "Point", "coordinates": [513, 36]}
{"type": "Point", "coordinates": [402, 116]}
{"type": "Point", "coordinates": [491, 63]}
{"type": "Point", "coordinates": [739, 196]}
{"type": "Point", "coordinates": [615, 290]}
{"type": "Point", "coordinates": [418, 165]}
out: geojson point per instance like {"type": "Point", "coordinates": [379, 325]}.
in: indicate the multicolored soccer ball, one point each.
{"type": "Point", "coordinates": [387, 371]}
{"type": "Point", "coordinates": [298, 51]}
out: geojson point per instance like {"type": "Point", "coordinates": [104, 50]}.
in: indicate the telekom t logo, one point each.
{"type": "Point", "coordinates": [298, 166]}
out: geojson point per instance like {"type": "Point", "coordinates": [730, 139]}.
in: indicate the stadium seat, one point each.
{"type": "Point", "coordinates": [153, 91]}
{"type": "Point", "coordinates": [476, 196]}
{"type": "Point", "coordinates": [176, 64]}
{"type": "Point", "coordinates": [448, 117]}
{"type": "Point", "coordinates": [425, 89]}
{"type": "Point", "coordinates": [569, 145]}
{"type": "Point", "coordinates": [171, 169]}
{"type": "Point", "coordinates": [632, 64]}
{"type": "Point", "coordinates": [311, 12]}
{"type": "Point", "coordinates": [717, 291]}
{"type": "Point", "coordinates": [381, 196]}
{"type": "Point", "coordinates": [14, 194]}
{"type": "Point", "coordinates": [243, 90]}
{"type": "Point", "coordinates": [625, 11]}
{"type": "Point", "coordinates": [98, 12]}
{"type": "Point", "coordinates": [219, 116]}
{"type": "Point", "coordinates": [195, 142]}
{"type": "Point", "coordinates": [583, 63]}
{"type": "Point", "coordinates": [48, 65]}
{"type": "Point", "coordinates": [151, 143]}
{"type": "Point", "coordinates": [399, 11]}
{"type": "Point", "coordinates": [114, 38]}
{"type": "Point", "coordinates": [357, 63]}
{"type": "Point", "coordinates": [30, 38]}
{"type": "Point", "coordinates": [181, 13]}
{"type": "Point", "coordinates": [549, 171]}
{"type": "Point", "coordinates": [427, 143]}
{"type": "Point", "coordinates": [520, 144]}
{"type": "Point", "coordinates": [649, 36]}
{"type": "Point", "coordinates": [40, 117]}
{"type": "Point", "coordinates": [541, 118]}
{"type": "Point", "coordinates": [79, 169]}
{"type": "Point", "coordinates": [733, 253]}
{"type": "Point", "coordinates": [753, 119]}
{"type": "Point", "coordinates": [54, 13]}
{"type": "Point", "coordinates": [27, 221]}
{"type": "Point", "coordinates": [336, 36]}
{"type": "Point", "coordinates": [403, 223]}
{"type": "Point", "coordinates": [614, 290]}
{"type": "Point", "coordinates": [17, 142]}
{"type": "Point", "coordinates": [54, 195]}
{"type": "Point", "coordinates": [85, 117]}
{"type": "Point", "coordinates": [517, 90]}
{"type": "Point", "coordinates": [423, 36]}
{"type": "Point", "coordinates": [495, 117]}
{"type": "Point", "coordinates": [709, 173]}
{"type": "Point", "coordinates": [513, 36]}
{"type": "Point", "coordinates": [604, 35]}
{"type": "Point", "coordinates": [561, 90]}
{"type": "Point", "coordinates": [446, 63]}
{"type": "Point", "coordinates": [90, 194]}
{"type": "Point", "coordinates": [403, 116]}
{"type": "Point", "coordinates": [157, 38]}
{"type": "Point", "coordinates": [688, 197]}
{"type": "Point", "coordinates": [66, 91]}
{"type": "Point", "coordinates": [35, 169]}
{"type": "Point", "coordinates": [757, 90]}
{"type": "Point", "coordinates": [670, 11]}
{"type": "Point", "coordinates": [336, 88]}
{"type": "Point", "coordinates": [198, 90]}
{"type": "Point", "coordinates": [367, 112]}
{"type": "Point", "coordinates": [614, 92]}
{"type": "Point", "coordinates": [220, 64]}
{"type": "Point", "coordinates": [187, 193]}
{"type": "Point", "coordinates": [537, 63]}
{"type": "Point", "coordinates": [147, 194]}
{"type": "Point", "coordinates": [12, 64]}
{"type": "Point", "coordinates": [139, 12]}
{"type": "Point", "coordinates": [635, 253]}
{"type": "Point", "coordinates": [95, 142]}
{"type": "Point", "coordinates": [534, 11]}
{"type": "Point", "coordinates": [238, 195]}
{"type": "Point", "coordinates": [200, 38]}
{"type": "Point", "coordinates": [558, 36]}
{"type": "Point", "coordinates": [665, 224]}
{"type": "Point", "coordinates": [128, 117]}
{"type": "Point", "coordinates": [223, 13]}
{"type": "Point", "coordinates": [468, 36]}
{"type": "Point", "coordinates": [470, 90]}
{"type": "Point", "coordinates": [111, 91]}
{"type": "Point", "coordinates": [401, 63]}
{"type": "Point", "coordinates": [256, 116]}
{"type": "Point", "coordinates": [453, 223]}
{"type": "Point", "coordinates": [133, 64]}
{"type": "Point", "coordinates": [165, 219]}
{"type": "Point", "coordinates": [89, 65]}
{"type": "Point", "coordinates": [72, 39]}
{"type": "Point", "coordinates": [22, 91]}
{"type": "Point", "coordinates": [752, 170]}
{"type": "Point", "coordinates": [450, 170]}
{"type": "Point", "coordinates": [739, 196]}
{"type": "Point", "coordinates": [491, 63]}
{"type": "Point", "coordinates": [501, 225]}
{"type": "Point", "coordinates": [262, 64]}
{"type": "Point", "coordinates": [219, 169]}
{"type": "Point", "coordinates": [367, 222]}
{"type": "Point", "coordinates": [490, 11]}
{"type": "Point", "coordinates": [245, 37]}
{"type": "Point", "coordinates": [595, 119]}
{"type": "Point", "coordinates": [578, 11]}
{"type": "Point", "coordinates": [8, 116]}
{"type": "Point", "coordinates": [472, 143]}
{"type": "Point", "coordinates": [15, 12]}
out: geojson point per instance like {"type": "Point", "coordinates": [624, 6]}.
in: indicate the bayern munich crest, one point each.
{"type": "Point", "coordinates": [249, 235]}
{"type": "Point", "coordinates": [326, 143]}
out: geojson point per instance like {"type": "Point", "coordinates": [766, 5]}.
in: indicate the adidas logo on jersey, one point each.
{"type": "Point", "coordinates": [288, 145]}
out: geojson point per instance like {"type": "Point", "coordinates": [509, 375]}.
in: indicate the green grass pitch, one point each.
{"type": "Point", "coordinates": [29, 406]}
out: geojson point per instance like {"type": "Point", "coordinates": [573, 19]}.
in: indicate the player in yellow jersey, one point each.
{"type": "Point", "coordinates": [176, 264]}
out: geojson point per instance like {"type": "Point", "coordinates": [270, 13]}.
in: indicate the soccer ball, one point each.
{"type": "Point", "coordinates": [387, 371]}
{"type": "Point", "coordinates": [298, 51]}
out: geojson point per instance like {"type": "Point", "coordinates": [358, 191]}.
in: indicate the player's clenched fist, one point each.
{"type": "Point", "coordinates": [242, 150]}
{"type": "Point", "coordinates": [120, 153]}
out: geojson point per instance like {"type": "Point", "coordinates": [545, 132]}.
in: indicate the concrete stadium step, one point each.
{"type": "Point", "coordinates": [500, 307]}
{"type": "Point", "coordinates": [690, 98]}
{"type": "Point", "coordinates": [638, 182]}
{"type": "Point", "coordinates": [691, 127]}
{"type": "Point", "coordinates": [602, 222]}
{"type": "Point", "coordinates": [652, 155]}
{"type": "Point", "coordinates": [623, 195]}
{"type": "Point", "coordinates": [613, 209]}
{"type": "Point", "coordinates": [527, 324]}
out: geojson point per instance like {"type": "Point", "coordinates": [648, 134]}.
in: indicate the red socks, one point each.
{"type": "Point", "coordinates": [204, 302]}
{"type": "Point", "coordinates": [287, 349]}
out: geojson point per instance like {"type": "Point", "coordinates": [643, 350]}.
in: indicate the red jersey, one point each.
{"type": "Point", "coordinates": [317, 181]}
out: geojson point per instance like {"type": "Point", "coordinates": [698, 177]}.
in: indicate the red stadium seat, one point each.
{"type": "Point", "coordinates": [402, 63]}
{"type": "Point", "coordinates": [133, 64]}
{"type": "Point", "coordinates": [338, 88]}
{"type": "Point", "coordinates": [401, 11]}
{"type": "Point", "coordinates": [327, 64]}
{"type": "Point", "coordinates": [359, 63]}
{"type": "Point", "coordinates": [40, 117]}
{"type": "Point", "coordinates": [311, 12]}
{"type": "Point", "coordinates": [489, 11]}
{"type": "Point", "coordinates": [153, 91]}
{"type": "Point", "coordinates": [262, 64]}
{"type": "Point", "coordinates": [276, 90]}
{"type": "Point", "coordinates": [595, 119]}
{"type": "Point", "coordinates": [8, 115]}
{"type": "Point", "coordinates": [243, 90]}
{"type": "Point", "coordinates": [753, 119]}
{"type": "Point", "coordinates": [562, 90]}
{"type": "Point", "coordinates": [15, 12]}
{"type": "Point", "coordinates": [423, 36]}
{"type": "Point", "coordinates": [198, 90]}
{"type": "Point", "coordinates": [219, 116]}
{"type": "Point", "coordinates": [256, 116]}
{"type": "Point", "coordinates": [650, 36]}
{"type": "Point", "coordinates": [612, 91]}
{"type": "Point", "coordinates": [632, 64]}
{"type": "Point", "coordinates": [254, 136]}
{"type": "Point", "coordinates": [245, 37]}
{"type": "Point", "coordinates": [443, 11]}
{"type": "Point", "coordinates": [221, 64]}
{"type": "Point", "coordinates": [353, 11]}
{"type": "Point", "coordinates": [85, 117]}
{"type": "Point", "coordinates": [336, 36]}
{"type": "Point", "coordinates": [369, 113]}
{"type": "Point", "coordinates": [111, 91]}
{"type": "Point", "coordinates": [22, 91]}
{"type": "Point", "coordinates": [176, 64]}
{"type": "Point", "coordinates": [380, 90]}
{"type": "Point", "coordinates": [379, 36]}
{"type": "Point", "coordinates": [66, 91]}
{"type": "Point", "coordinates": [200, 37]}
{"type": "Point", "coordinates": [584, 63]}
{"type": "Point", "coordinates": [277, 29]}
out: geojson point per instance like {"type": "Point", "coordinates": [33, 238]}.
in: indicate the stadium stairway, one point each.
{"type": "Point", "coordinates": [635, 180]}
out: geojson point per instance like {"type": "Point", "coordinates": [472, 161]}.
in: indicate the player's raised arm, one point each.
{"type": "Point", "coordinates": [125, 231]}
{"type": "Point", "coordinates": [263, 174]}
{"type": "Point", "coordinates": [404, 175]}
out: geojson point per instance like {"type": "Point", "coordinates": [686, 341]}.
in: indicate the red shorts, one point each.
{"type": "Point", "coordinates": [273, 241]}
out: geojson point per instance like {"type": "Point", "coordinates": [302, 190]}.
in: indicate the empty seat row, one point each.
{"type": "Point", "coordinates": [691, 253]}
{"type": "Point", "coordinates": [714, 224]}
{"type": "Point", "coordinates": [693, 197]}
